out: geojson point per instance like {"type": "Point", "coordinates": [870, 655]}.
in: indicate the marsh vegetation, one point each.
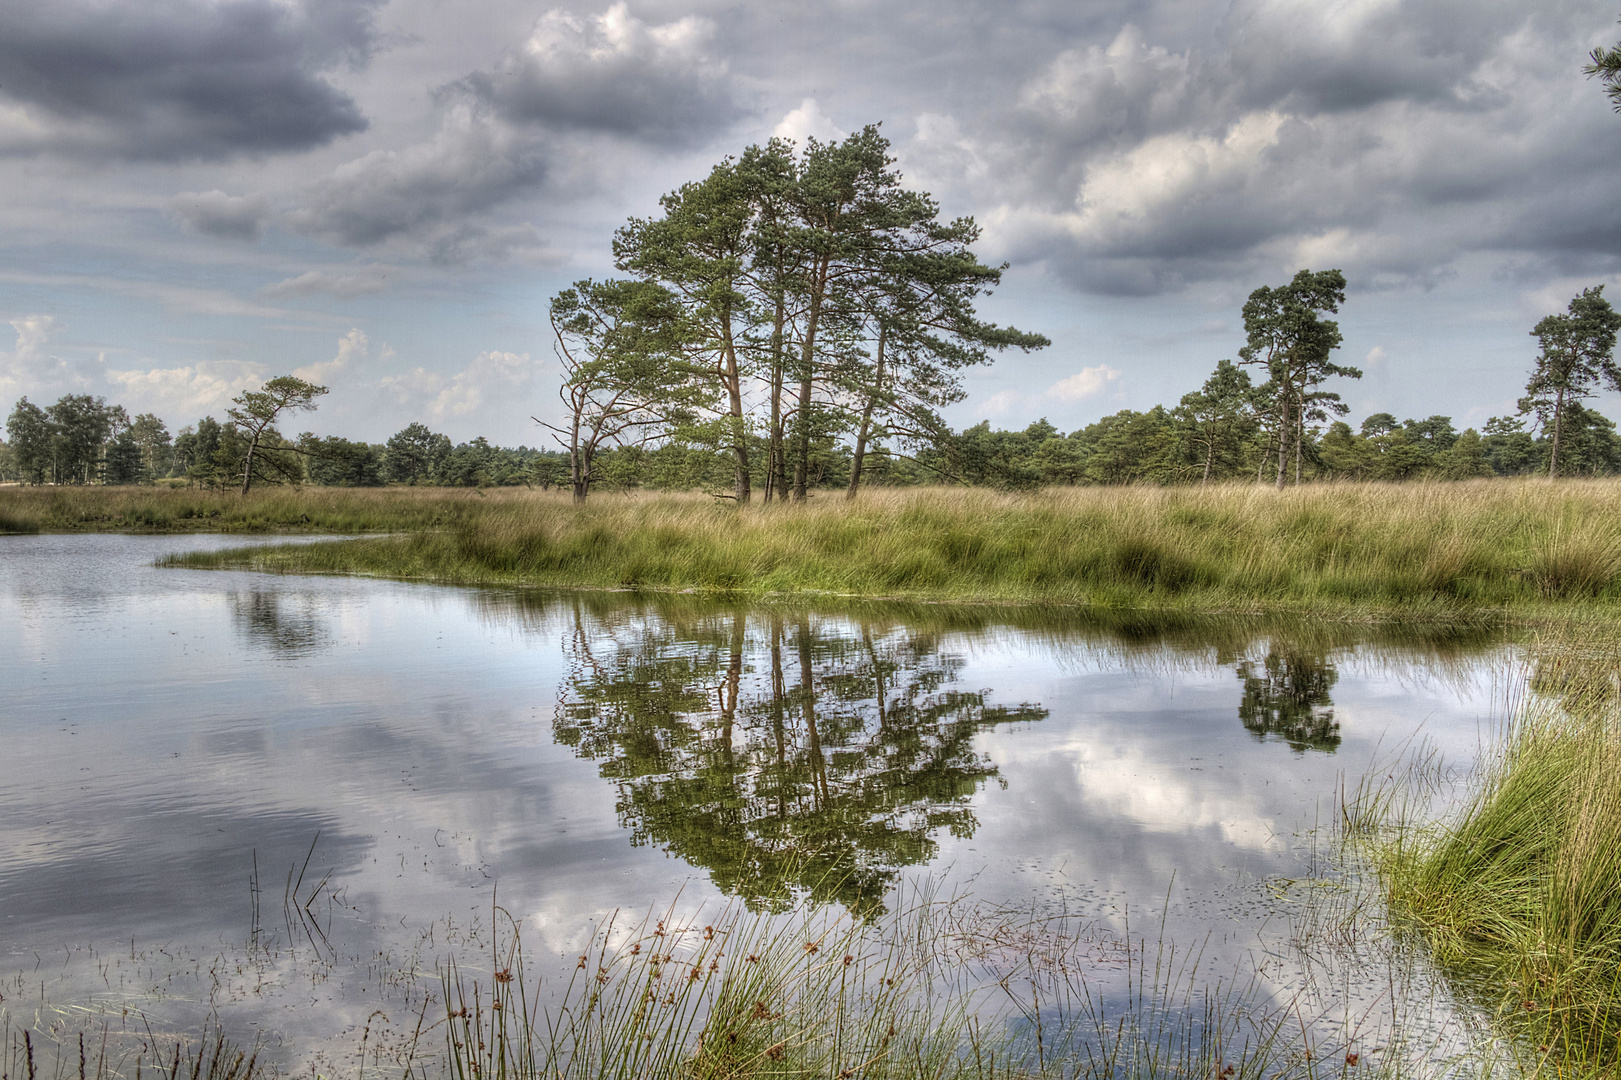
{"type": "Point", "coordinates": [1487, 551]}
{"type": "Point", "coordinates": [1517, 890]}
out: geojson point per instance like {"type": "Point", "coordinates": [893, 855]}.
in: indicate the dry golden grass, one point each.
{"type": "Point", "coordinates": [1443, 550]}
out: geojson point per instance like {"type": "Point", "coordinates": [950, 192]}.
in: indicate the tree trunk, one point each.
{"type": "Point", "coordinates": [1210, 455]}
{"type": "Point", "coordinates": [807, 358]}
{"type": "Point", "coordinates": [247, 464]}
{"type": "Point", "coordinates": [1283, 441]}
{"type": "Point", "coordinates": [579, 470]}
{"type": "Point", "coordinates": [866, 418]}
{"type": "Point", "coordinates": [1558, 423]}
{"type": "Point", "coordinates": [582, 481]}
{"type": "Point", "coordinates": [1300, 435]}
{"type": "Point", "coordinates": [734, 391]}
{"type": "Point", "coordinates": [775, 476]}
{"type": "Point", "coordinates": [878, 677]}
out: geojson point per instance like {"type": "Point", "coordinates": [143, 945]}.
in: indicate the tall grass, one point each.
{"type": "Point", "coordinates": [1441, 551]}
{"type": "Point", "coordinates": [1518, 893]}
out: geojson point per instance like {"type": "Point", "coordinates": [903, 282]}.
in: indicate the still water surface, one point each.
{"type": "Point", "coordinates": [168, 737]}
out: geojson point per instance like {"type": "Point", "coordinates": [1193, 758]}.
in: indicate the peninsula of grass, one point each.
{"type": "Point", "coordinates": [1487, 552]}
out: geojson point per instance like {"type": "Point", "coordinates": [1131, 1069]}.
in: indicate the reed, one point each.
{"type": "Point", "coordinates": [29, 1054]}
{"type": "Point", "coordinates": [1446, 552]}
{"type": "Point", "coordinates": [818, 994]}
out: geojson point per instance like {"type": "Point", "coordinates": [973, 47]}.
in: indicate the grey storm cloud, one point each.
{"type": "Point", "coordinates": [430, 193]}
{"type": "Point", "coordinates": [225, 217]}
{"type": "Point", "coordinates": [1389, 138]}
{"type": "Point", "coordinates": [616, 74]}
{"type": "Point", "coordinates": [501, 128]}
{"type": "Point", "coordinates": [179, 79]}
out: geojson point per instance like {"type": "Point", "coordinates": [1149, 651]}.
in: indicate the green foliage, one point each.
{"type": "Point", "coordinates": [63, 443]}
{"type": "Point", "coordinates": [1286, 696]}
{"type": "Point", "coordinates": [338, 462]}
{"type": "Point", "coordinates": [414, 454]}
{"type": "Point", "coordinates": [1576, 357]}
{"type": "Point", "coordinates": [618, 341]}
{"type": "Point", "coordinates": [1606, 65]}
{"type": "Point", "coordinates": [30, 432]}
{"type": "Point", "coordinates": [125, 463]}
{"type": "Point", "coordinates": [194, 450]}
{"type": "Point", "coordinates": [819, 279]}
{"type": "Point", "coordinates": [157, 451]}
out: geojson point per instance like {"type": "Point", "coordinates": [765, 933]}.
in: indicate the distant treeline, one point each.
{"type": "Point", "coordinates": [83, 440]}
{"type": "Point", "coordinates": [798, 320]}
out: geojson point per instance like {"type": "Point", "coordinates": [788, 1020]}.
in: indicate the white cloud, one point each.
{"type": "Point", "coordinates": [491, 375]}
{"type": "Point", "coordinates": [353, 348]}
{"type": "Point", "coordinates": [941, 153]}
{"type": "Point", "coordinates": [32, 333]}
{"type": "Point", "coordinates": [1085, 383]}
{"type": "Point", "coordinates": [190, 390]}
{"type": "Point", "coordinates": [28, 363]}
{"type": "Point", "coordinates": [1001, 403]}
{"type": "Point", "coordinates": [807, 122]}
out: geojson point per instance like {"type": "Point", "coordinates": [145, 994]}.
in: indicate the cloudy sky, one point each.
{"type": "Point", "coordinates": [382, 194]}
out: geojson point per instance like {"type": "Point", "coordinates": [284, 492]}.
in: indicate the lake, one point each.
{"type": "Point", "coordinates": [269, 800]}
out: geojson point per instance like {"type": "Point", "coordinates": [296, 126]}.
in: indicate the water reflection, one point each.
{"type": "Point", "coordinates": [164, 756]}
{"type": "Point", "coordinates": [1286, 697]}
{"type": "Point", "coordinates": [286, 626]}
{"type": "Point", "coordinates": [778, 755]}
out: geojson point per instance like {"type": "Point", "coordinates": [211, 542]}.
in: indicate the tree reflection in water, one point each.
{"type": "Point", "coordinates": [1286, 696]}
{"type": "Point", "coordinates": [782, 756]}
{"type": "Point", "coordinates": [286, 626]}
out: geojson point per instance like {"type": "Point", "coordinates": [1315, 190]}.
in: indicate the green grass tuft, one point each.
{"type": "Point", "coordinates": [1519, 892]}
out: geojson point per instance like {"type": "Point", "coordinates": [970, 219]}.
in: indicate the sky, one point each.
{"type": "Point", "coordinates": [382, 195]}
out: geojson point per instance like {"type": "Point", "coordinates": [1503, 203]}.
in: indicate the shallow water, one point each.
{"type": "Point", "coordinates": [178, 747]}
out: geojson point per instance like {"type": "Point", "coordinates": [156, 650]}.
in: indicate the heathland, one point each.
{"type": "Point", "coordinates": [1490, 550]}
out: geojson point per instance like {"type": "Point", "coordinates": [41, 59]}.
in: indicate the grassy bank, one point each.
{"type": "Point", "coordinates": [1470, 551]}
{"type": "Point", "coordinates": [280, 509]}
{"type": "Point", "coordinates": [1518, 894]}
